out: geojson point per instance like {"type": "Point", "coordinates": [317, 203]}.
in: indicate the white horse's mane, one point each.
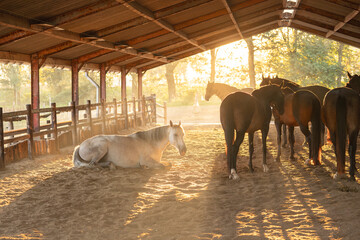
{"type": "Point", "coordinates": [151, 135]}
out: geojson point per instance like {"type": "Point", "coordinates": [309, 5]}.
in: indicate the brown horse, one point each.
{"type": "Point", "coordinates": [222, 90]}
{"type": "Point", "coordinates": [341, 114]}
{"type": "Point", "coordinates": [319, 91]}
{"type": "Point", "coordinates": [354, 82]}
{"type": "Point", "coordinates": [300, 108]}
{"type": "Point", "coordinates": [244, 113]}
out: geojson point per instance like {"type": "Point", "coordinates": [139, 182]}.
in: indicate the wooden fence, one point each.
{"type": "Point", "coordinates": [78, 124]}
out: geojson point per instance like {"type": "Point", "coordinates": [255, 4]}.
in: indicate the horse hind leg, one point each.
{"type": "Point", "coordinates": [305, 130]}
{"type": "Point", "coordinates": [264, 133]}
{"type": "Point", "coordinates": [292, 142]}
{"type": "Point", "coordinates": [251, 150]}
{"type": "Point", "coordinates": [235, 150]}
{"type": "Point", "coordinates": [352, 151]}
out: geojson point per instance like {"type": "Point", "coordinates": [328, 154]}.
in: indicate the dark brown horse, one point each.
{"type": "Point", "coordinates": [300, 108]}
{"type": "Point", "coordinates": [246, 113]}
{"type": "Point", "coordinates": [341, 114]}
{"type": "Point", "coordinates": [319, 91]}
{"type": "Point", "coordinates": [354, 82]}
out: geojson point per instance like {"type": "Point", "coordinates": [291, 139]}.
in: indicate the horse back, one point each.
{"type": "Point", "coordinates": [319, 91]}
{"type": "Point", "coordinates": [305, 104]}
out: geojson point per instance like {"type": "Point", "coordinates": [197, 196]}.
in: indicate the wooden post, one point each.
{"type": "Point", "coordinates": [134, 111]}
{"type": "Point", "coordinates": [165, 114]}
{"type": "Point", "coordinates": [103, 116]}
{"type": "Point", "coordinates": [74, 123]}
{"type": "Point", "coordinates": [153, 101]}
{"type": "Point", "coordinates": [143, 109]}
{"type": "Point", "coordinates": [123, 83]}
{"type": "Point", "coordinates": [126, 113]}
{"type": "Point", "coordinates": [30, 131]}
{"type": "Point", "coordinates": [115, 115]}
{"type": "Point", "coordinates": [89, 117]}
{"type": "Point", "coordinates": [54, 126]}
{"type": "Point", "coordinates": [75, 81]}
{"type": "Point", "coordinates": [2, 149]}
{"type": "Point", "coordinates": [102, 82]}
{"type": "Point", "coordinates": [35, 90]}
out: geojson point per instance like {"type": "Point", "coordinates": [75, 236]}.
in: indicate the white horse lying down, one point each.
{"type": "Point", "coordinates": [142, 148]}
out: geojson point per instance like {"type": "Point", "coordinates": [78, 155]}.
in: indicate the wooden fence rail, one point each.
{"type": "Point", "coordinates": [81, 124]}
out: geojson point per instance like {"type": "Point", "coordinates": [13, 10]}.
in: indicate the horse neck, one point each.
{"type": "Point", "coordinates": [158, 137]}
{"type": "Point", "coordinates": [222, 90]}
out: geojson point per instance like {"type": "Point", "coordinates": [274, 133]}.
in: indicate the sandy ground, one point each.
{"type": "Point", "coordinates": [192, 199]}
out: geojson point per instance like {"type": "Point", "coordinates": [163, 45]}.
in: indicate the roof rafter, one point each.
{"type": "Point", "coordinates": [193, 21]}
{"type": "Point", "coordinates": [341, 24]}
{"type": "Point", "coordinates": [24, 24]}
{"type": "Point", "coordinates": [55, 49]}
{"type": "Point", "coordinates": [146, 13]}
{"type": "Point", "coordinates": [231, 15]}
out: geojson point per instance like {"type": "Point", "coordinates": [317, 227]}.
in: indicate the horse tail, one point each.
{"type": "Point", "coordinates": [316, 130]}
{"type": "Point", "coordinates": [341, 111]}
{"type": "Point", "coordinates": [77, 160]}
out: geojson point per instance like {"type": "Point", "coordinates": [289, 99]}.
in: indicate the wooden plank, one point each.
{"type": "Point", "coordinates": [54, 126]}
{"type": "Point", "coordinates": [2, 149]}
{"type": "Point", "coordinates": [30, 130]}
{"type": "Point", "coordinates": [89, 117]}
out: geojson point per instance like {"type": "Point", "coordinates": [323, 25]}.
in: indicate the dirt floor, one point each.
{"type": "Point", "coordinates": [192, 199]}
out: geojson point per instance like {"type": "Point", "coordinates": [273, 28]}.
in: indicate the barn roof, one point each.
{"type": "Point", "coordinates": [149, 33]}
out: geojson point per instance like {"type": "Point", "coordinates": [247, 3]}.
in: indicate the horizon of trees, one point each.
{"type": "Point", "coordinates": [291, 54]}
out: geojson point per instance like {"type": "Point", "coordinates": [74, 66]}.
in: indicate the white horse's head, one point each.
{"type": "Point", "coordinates": [176, 137]}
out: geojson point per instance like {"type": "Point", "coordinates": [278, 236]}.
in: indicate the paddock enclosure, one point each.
{"type": "Point", "coordinates": [192, 199]}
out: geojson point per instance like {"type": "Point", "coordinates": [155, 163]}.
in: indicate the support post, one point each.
{"type": "Point", "coordinates": [126, 113]}
{"type": "Point", "coordinates": [30, 131]}
{"type": "Point", "coordinates": [102, 82]}
{"type": "Point", "coordinates": [115, 115]}
{"type": "Point", "coordinates": [89, 117]}
{"type": "Point", "coordinates": [75, 82]}
{"type": "Point", "coordinates": [103, 116]}
{"type": "Point", "coordinates": [35, 90]}
{"type": "Point", "coordinates": [153, 101]}
{"type": "Point", "coordinates": [74, 123]}
{"type": "Point", "coordinates": [2, 148]}
{"type": "Point", "coordinates": [140, 76]}
{"type": "Point", "coordinates": [123, 83]}
{"type": "Point", "coordinates": [143, 109]}
{"type": "Point", "coordinates": [54, 126]}
{"type": "Point", "coordinates": [165, 113]}
{"type": "Point", "coordinates": [134, 111]}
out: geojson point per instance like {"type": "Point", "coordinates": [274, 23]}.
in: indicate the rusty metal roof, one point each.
{"type": "Point", "coordinates": [148, 33]}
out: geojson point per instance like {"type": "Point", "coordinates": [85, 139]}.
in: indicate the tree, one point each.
{"type": "Point", "coordinates": [250, 44]}
{"type": "Point", "coordinates": [169, 74]}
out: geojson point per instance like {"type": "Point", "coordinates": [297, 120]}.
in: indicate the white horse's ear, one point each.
{"type": "Point", "coordinates": [171, 123]}
{"type": "Point", "coordinates": [349, 75]}
{"type": "Point", "coordinates": [262, 75]}
{"type": "Point", "coordinates": [180, 123]}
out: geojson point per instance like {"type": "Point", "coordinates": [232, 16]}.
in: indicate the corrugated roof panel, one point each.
{"type": "Point", "coordinates": [41, 9]}
{"type": "Point", "coordinates": [31, 44]}
{"type": "Point", "coordinates": [75, 52]}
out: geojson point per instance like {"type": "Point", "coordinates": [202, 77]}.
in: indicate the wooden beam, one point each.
{"type": "Point", "coordinates": [194, 21]}
{"type": "Point", "coordinates": [231, 15]}
{"type": "Point", "coordinates": [161, 13]}
{"type": "Point", "coordinates": [89, 56]}
{"type": "Point", "coordinates": [55, 49]}
{"type": "Point", "coordinates": [146, 13]}
{"type": "Point", "coordinates": [342, 23]}
{"type": "Point", "coordinates": [14, 36]}
{"type": "Point", "coordinates": [24, 24]}
{"type": "Point", "coordinates": [118, 59]}
{"type": "Point", "coordinates": [345, 3]}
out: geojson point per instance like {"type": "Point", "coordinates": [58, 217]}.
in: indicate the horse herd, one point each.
{"type": "Point", "coordinates": [247, 110]}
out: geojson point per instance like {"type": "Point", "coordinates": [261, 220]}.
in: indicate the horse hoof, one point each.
{"type": "Point", "coordinates": [266, 168]}
{"type": "Point", "coordinates": [339, 176]}
{"type": "Point", "coordinates": [292, 158]}
{"type": "Point", "coordinates": [308, 161]}
{"type": "Point", "coordinates": [277, 159]}
{"type": "Point", "coordinates": [233, 175]}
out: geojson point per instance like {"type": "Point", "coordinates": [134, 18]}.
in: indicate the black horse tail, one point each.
{"type": "Point", "coordinates": [341, 112]}
{"type": "Point", "coordinates": [316, 131]}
